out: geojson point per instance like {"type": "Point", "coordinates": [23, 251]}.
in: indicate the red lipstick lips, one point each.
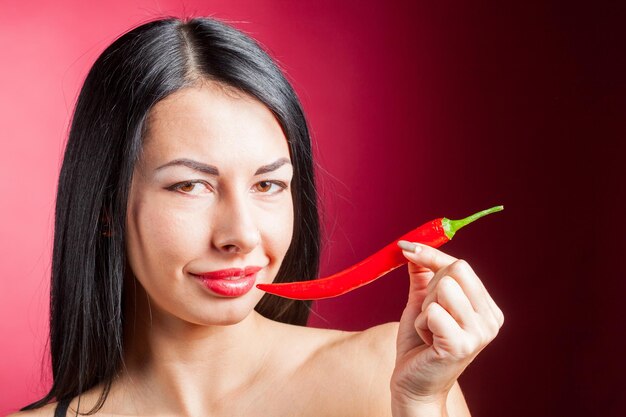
{"type": "Point", "coordinates": [230, 273]}
{"type": "Point", "coordinates": [231, 282]}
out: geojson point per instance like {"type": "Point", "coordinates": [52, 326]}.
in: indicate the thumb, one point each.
{"type": "Point", "coordinates": [425, 256]}
{"type": "Point", "coordinates": [420, 275]}
{"type": "Point", "coordinates": [408, 335]}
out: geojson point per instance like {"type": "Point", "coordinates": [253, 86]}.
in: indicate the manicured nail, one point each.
{"type": "Point", "coordinates": [409, 247]}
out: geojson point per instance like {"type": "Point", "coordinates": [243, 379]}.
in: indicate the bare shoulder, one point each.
{"type": "Point", "coordinates": [378, 340]}
{"type": "Point", "coordinates": [355, 368]}
{"type": "Point", "coordinates": [45, 411]}
{"type": "Point", "coordinates": [373, 351]}
{"type": "Point", "coordinates": [370, 349]}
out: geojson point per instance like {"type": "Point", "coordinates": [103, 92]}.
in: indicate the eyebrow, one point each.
{"type": "Point", "coordinates": [212, 170]}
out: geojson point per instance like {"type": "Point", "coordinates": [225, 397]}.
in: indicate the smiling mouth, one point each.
{"type": "Point", "coordinates": [233, 282]}
{"type": "Point", "coordinates": [230, 274]}
{"type": "Point", "coordinates": [235, 277]}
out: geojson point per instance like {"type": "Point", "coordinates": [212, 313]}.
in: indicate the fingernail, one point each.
{"type": "Point", "coordinates": [409, 246]}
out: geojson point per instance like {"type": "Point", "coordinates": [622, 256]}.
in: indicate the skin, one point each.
{"type": "Point", "coordinates": [191, 352]}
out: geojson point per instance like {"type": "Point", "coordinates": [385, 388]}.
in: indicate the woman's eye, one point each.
{"type": "Point", "coordinates": [189, 187]}
{"type": "Point", "coordinates": [200, 187]}
{"type": "Point", "coordinates": [265, 187]}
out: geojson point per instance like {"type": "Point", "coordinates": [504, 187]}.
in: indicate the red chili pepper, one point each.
{"type": "Point", "coordinates": [434, 233]}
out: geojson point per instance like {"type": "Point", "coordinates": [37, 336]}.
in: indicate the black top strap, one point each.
{"type": "Point", "coordinates": [62, 407]}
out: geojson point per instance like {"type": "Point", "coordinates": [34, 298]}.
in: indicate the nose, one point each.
{"type": "Point", "coordinates": [235, 229]}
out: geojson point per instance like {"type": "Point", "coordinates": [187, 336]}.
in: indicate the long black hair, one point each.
{"type": "Point", "coordinates": [137, 70]}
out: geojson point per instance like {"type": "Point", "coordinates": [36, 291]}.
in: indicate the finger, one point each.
{"type": "Point", "coordinates": [451, 297]}
{"type": "Point", "coordinates": [476, 293]}
{"type": "Point", "coordinates": [421, 326]}
{"type": "Point", "coordinates": [472, 286]}
{"type": "Point", "coordinates": [446, 332]}
{"type": "Point", "coordinates": [432, 286]}
{"type": "Point", "coordinates": [418, 284]}
{"type": "Point", "coordinates": [425, 256]}
{"type": "Point", "coordinates": [407, 339]}
{"type": "Point", "coordinates": [420, 278]}
{"type": "Point", "coordinates": [497, 312]}
{"type": "Point", "coordinates": [495, 319]}
{"type": "Point", "coordinates": [481, 301]}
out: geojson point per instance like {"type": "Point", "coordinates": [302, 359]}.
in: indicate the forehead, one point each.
{"type": "Point", "coordinates": [212, 121]}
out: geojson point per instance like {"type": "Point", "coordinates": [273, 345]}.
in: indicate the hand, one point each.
{"type": "Point", "coordinates": [449, 318]}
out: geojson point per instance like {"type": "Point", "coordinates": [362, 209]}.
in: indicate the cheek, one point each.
{"type": "Point", "coordinates": [161, 238]}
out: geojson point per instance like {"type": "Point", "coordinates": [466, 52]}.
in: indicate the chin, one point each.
{"type": "Point", "coordinates": [228, 311]}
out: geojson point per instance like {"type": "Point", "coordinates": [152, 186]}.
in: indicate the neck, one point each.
{"type": "Point", "coordinates": [188, 368]}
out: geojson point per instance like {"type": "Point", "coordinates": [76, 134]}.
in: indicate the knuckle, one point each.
{"type": "Point", "coordinates": [460, 266]}
{"type": "Point", "coordinates": [500, 317]}
{"type": "Point", "coordinates": [495, 329]}
{"type": "Point", "coordinates": [466, 347]}
{"type": "Point", "coordinates": [480, 337]}
{"type": "Point", "coordinates": [487, 324]}
{"type": "Point", "coordinates": [445, 283]}
{"type": "Point", "coordinates": [430, 307]}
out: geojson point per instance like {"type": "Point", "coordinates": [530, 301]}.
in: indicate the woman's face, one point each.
{"type": "Point", "coordinates": [210, 192]}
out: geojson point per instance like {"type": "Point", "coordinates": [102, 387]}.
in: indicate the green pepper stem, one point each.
{"type": "Point", "coordinates": [450, 227]}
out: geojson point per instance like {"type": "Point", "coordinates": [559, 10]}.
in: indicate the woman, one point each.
{"type": "Point", "coordinates": [188, 178]}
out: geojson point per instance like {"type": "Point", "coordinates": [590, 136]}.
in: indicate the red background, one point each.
{"type": "Point", "coordinates": [418, 110]}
